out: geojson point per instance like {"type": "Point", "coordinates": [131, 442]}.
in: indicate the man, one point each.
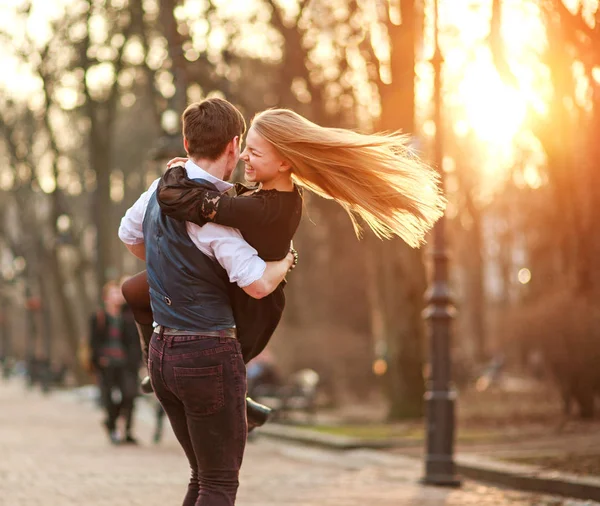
{"type": "Point", "coordinates": [195, 362]}
{"type": "Point", "coordinates": [116, 357]}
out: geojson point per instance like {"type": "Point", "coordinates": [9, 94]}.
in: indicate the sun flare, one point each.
{"type": "Point", "coordinates": [494, 110]}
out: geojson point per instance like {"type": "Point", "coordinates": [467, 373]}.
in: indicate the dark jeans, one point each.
{"type": "Point", "coordinates": [125, 380]}
{"type": "Point", "coordinates": [201, 383]}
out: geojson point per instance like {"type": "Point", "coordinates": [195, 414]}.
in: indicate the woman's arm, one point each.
{"type": "Point", "coordinates": [183, 199]}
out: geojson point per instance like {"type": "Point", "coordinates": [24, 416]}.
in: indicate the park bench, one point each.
{"type": "Point", "coordinates": [298, 394]}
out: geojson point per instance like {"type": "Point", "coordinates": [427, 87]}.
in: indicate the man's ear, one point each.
{"type": "Point", "coordinates": [235, 143]}
{"type": "Point", "coordinates": [185, 145]}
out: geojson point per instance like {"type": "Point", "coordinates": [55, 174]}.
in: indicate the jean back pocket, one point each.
{"type": "Point", "coordinates": [200, 389]}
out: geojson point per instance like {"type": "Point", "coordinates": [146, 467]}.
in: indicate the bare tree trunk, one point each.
{"type": "Point", "coordinates": [55, 273]}
{"type": "Point", "coordinates": [475, 296]}
{"type": "Point", "coordinates": [401, 270]}
{"type": "Point", "coordinates": [101, 114]}
{"type": "Point", "coordinates": [175, 46]}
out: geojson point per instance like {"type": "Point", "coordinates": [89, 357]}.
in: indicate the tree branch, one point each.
{"type": "Point", "coordinates": [277, 18]}
{"type": "Point", "coordinates": [303, 5]}
{"type": "Point", "coordinates": [576, 26]}
{"type": "Point", "coordinates": [138, 19]}
{"type": "Point", "coordinates": [497, 46]}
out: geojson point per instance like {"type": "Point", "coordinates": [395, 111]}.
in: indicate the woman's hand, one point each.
{"type": "Point", "coordinates": [176, 160]}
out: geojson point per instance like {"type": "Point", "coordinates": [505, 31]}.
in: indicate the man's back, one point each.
{"type": "Point", "coordinates": [188, 289]}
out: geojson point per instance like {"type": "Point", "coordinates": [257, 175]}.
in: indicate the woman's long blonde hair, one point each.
{"type": "Point", "coordinates": [376, 177]}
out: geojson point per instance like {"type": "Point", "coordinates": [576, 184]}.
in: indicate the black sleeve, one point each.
{"type": "Point", "coordinates": [187, 200]}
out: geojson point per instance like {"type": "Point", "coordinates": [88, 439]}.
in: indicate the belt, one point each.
{"type": "Point", "coordinates": [208, 333]}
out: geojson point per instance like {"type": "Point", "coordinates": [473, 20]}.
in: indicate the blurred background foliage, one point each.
{"type": "Point", "coordinates": [90, 95]}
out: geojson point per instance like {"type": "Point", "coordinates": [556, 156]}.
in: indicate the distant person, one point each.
{"type": "Point", "coordinates": [159, 414]}
{"type": "Point", "coordinates": [116, 358]}
{"type": "Point", "coordinates": [263, 375]}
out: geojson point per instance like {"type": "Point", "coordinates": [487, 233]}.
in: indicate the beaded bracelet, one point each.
{"type": "Point", "coordinates": [295, 261]}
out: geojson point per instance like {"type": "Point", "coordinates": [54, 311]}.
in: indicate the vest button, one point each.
{"type": "Point", "coordinates": [168, 301]}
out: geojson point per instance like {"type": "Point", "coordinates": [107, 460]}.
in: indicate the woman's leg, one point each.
{"type": "Point", "coordinates": [137, 295]}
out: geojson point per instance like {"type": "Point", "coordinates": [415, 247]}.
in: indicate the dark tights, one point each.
{"type": "Point", "coordinates": [137, 294]}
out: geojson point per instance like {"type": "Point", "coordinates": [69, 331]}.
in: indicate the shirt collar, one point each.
{"type": "Point", "coordinates": [195, 172]}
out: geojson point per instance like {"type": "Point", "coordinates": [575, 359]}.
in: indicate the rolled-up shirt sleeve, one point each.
{"type": "Point", "coordinates": [228, 247]}
{"type": "Point", "coordinates": [131, 230]}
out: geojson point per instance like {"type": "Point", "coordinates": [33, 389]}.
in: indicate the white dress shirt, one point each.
{"type": "Point", "coordinates": [225, 244]}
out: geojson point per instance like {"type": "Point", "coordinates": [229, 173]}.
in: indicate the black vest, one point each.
{"type": "Point", "coordinates": [188, 290]}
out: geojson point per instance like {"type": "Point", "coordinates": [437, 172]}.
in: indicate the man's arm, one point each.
{"type": "Point", "coordinates": [131, 230]}
{"type": "Point", "coordinates": [138, 250]}
{"type": "Point", "coordinates": [241, 261]}
{"type": "Point", "coordinates": [274, 274]}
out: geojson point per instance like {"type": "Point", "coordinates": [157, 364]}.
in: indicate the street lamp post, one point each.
{"type": "Point", "coordinates": [440, 397]}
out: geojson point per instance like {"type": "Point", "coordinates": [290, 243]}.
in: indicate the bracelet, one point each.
{"type": "Point", "coordinates": [295, 261]}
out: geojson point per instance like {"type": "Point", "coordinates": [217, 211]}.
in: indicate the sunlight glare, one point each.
{"type": "Point", "coordinates": [494, 110]}
{"type": "Point", "coordinates": [531, 176]}
{"type": "Point", "coordinates": [524, 276]}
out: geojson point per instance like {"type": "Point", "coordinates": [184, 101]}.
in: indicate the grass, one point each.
{"type": "Point", "coordinates": [493, 416]}
{"type": "Point", "coordinates": [412, 433]}
{"type": "Point", "coordinates": [370, 431]}
{"type": "Point", "coordinates": [528, 425]}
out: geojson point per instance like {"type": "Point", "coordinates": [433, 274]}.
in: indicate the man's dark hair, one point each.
{"type": "Point", "coordinates": [210, 125]}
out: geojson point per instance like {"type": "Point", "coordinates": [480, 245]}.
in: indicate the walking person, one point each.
{"type": "Point", "coordinates": [194, 359]}
{"type": "Point", "coordinates": [116, 358]}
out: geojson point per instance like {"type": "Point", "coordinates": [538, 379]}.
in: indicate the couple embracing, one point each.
{"type": "Point", "coordinates": [217, 257]}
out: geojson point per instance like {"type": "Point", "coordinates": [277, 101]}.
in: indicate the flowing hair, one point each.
{"type": "Point", "coordinates": [374, 177]}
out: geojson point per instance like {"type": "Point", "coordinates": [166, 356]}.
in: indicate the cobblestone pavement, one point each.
{"type": "Point", "coordinates": [53, 452]}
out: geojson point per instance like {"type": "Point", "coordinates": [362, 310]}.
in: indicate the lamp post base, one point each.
{"type": "Point", "coordinates": [439, 461]}
{"type": "Point", "coordinates": [441, 480]}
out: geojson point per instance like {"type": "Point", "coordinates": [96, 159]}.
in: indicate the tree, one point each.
{"type": "Point", "coordinates": [398, 277]}
{"type": "Point", "coordinates": [564, 310]}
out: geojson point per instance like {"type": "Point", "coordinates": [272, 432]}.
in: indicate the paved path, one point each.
{"type": "Point", "coordinates": [54, 453]}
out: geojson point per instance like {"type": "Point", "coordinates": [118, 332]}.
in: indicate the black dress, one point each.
{"type": "Point", "coordinates": [267, 219]}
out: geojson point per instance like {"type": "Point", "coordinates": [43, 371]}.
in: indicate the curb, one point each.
{"type": "Point", "coordinates": [528, 478]}
{"type": "Point", "coordinates": [524, 477]}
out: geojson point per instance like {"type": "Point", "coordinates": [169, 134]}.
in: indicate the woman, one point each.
{"type": "Point", "coordinates": [267, 216]}
{"type": "Point", "coordinates": [373, 177]}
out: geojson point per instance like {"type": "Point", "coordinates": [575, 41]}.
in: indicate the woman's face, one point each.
{"type": "Point", "coordinates": [263, 163]}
